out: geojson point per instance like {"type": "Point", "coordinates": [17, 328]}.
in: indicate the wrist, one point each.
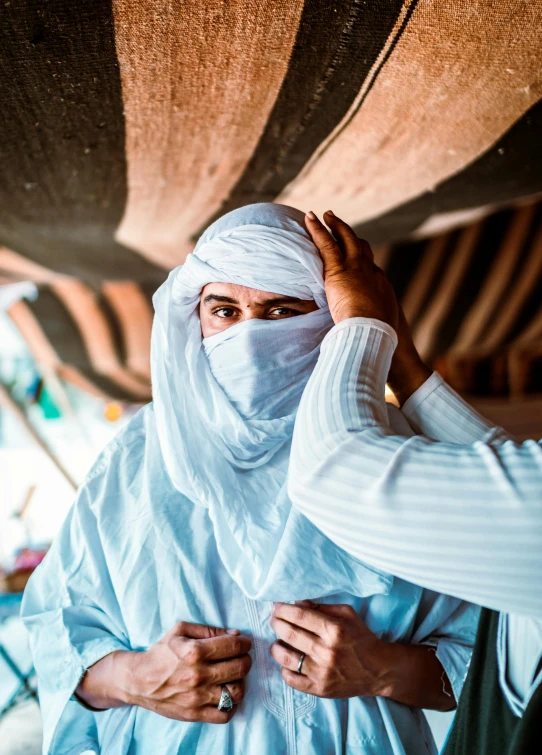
{"type": "Point", "coordinates": [368, 313]}
{"type": "Point", "coordinates": [406, 376]}
{"type": "Point", "coordinates": [103, 684]}
{"type": "Point", "coordinates": [130, 676]}
{"type": "Point", "coordinates": [390, 669]}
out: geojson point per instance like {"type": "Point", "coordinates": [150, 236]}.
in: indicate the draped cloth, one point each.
{"type": "Point", "coordinates": [185, 516]}
{"type": "Point", "coordinates": [241, 388]}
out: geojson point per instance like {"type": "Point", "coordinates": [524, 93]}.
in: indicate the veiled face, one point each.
{"type": "Point", "coordinates": [225, 304]}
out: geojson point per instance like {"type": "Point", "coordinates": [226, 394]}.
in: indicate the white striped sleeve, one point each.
{"type": "Point", "coordinates": [460, 519]}
{"type": "Point", "coordinates": [438, 412]}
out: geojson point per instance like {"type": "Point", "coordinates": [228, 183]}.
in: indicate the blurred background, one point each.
{"type": "Point", "coordinates": [128, 126]}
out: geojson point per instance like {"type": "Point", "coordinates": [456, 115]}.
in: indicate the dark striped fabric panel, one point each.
{"type": "Point", "coordinates": [62, 147]}
{"type": "Point", "coordinates": [128, 126]}
{"type": "Point", "coordinates": [335, 50]}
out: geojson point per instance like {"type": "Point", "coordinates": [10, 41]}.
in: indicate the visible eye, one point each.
{"type": "Point", "coordinates": [283, 312]}
{"type": "Point", "coordinates": [224, 312]}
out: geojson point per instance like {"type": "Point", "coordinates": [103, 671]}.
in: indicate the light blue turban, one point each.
{"type": "Point", "coordinates": [225, 406]}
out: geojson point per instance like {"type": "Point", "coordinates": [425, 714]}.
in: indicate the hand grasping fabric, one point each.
{"type": "Point", "coordinates": [343, 658]}
{"type": "Point", "coordinates": [179, 677]}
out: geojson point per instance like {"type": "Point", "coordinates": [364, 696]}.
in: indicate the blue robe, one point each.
{"type": "Point", "coordinates": [135, 556]}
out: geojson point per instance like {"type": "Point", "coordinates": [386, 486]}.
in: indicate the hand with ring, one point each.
{"type": "Point", "coordinates": [325, 650]}
{"type": "Point", "coordinates": [328, 651]}
{"type": "Point", "coordinates": [194, 673]}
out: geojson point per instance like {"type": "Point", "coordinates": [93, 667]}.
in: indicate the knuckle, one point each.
{"type": "Point", "coordinates": [300, 614]}
{"type": "Point", "coordinates": [350, 611]}
{"type": "Point", "coordinates": [330, 658]}
{"type": "Point", "coordinates": [291, 636]}
{"type": "Point", "coordinates": [239, 646]}
{"type": "Point", "coordinates": [195, 679]}
{"type": "Point", "coordinates": [223, 718]}
{"type": "Point", "coordinates": [179, 627]}
{"type": "Point", "coordinates": [329, 246]}
{"type": "Point", "coordinates": [192, 700]}
{"type": "Point", "coordinates": [192, 652]}
{"type": "Point", "coordinates": [336, 633]}
{"type": "Point", "coordinates": [286, 658]}
{"type": "Point", "coordinates": [320, 690]}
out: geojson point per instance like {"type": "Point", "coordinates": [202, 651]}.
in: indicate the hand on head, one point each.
{"type": "Point", "coordinates": [356, 287]}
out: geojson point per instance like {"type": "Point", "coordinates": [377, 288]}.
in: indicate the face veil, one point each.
{"type": "Point", "coordinates": [225, 406]}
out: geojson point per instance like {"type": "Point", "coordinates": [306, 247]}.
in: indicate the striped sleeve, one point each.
{"type": "Point", "coordinates": [462, 519]}
{"type": "Point", "coordinates": [438, 412]}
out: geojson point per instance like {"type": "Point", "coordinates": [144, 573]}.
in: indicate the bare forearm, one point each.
{"type": "Point", "coordinates": [105, 684]}
{"type": "Point", "coordinates": [416, 678]}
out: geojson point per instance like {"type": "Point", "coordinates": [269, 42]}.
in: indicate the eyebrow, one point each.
{"type": "Point", "coordinates": [268, 302]}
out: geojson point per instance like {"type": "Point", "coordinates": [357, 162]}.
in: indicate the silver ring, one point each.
{"type": "Point", "coordinates": [226, 702]}
{"type": "Point", "coordinates": [300, 662]}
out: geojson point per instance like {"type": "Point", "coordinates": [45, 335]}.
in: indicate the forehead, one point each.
{"type": "Point", "coordinates": [239, 293]}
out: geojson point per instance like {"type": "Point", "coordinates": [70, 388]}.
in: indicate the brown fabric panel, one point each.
{"type": "Point", "coordinates": [521, 418]}
{"type": "Point", "coordinates": [62, 150]}
{"type": "Point", "coordinates": [28, 326]}
{"type": "Point", "coordinates": [447, 221]}
{"type": "Point", "coordinates": [199, 81]}
{"type": "Point", "coordinates": [44, 353]}
{"type": "Point", "coordinates": [497, 281]}
{"type": "Point", "coordinates": [433, 109]}
{"type": "Point", "coordinates": [423, 279]}
{"type": "Point", "coordinates": [427, 327]}
{"type": "Point", "coordinates": [335, 50]}
{"type": "Point", "coordinates": [18, 267]}
{"type": "Point", "coordinates": [533, 332]}
{"type": "Point", "coordinates": [83, 307]}
{"type": "Point", "coordinates": [530, 277]}
{"type": "Point", "coordinates": [521, 365]}
{"type": "Point", "coordinates": [135, 317]}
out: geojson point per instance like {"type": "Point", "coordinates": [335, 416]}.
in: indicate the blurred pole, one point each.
{"type": "Point", "coordinates": [8, 402]}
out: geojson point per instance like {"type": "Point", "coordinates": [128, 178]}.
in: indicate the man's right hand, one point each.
{"type": "Point", "coordinates": [355, 286]}
{"type": "Point", "coordinates": [179, 677]}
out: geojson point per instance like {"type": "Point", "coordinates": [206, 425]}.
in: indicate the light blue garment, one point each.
{"type": "Point", "coordinates": [185, 516]}
{"type": "Point", "coordinates": [134, 557]}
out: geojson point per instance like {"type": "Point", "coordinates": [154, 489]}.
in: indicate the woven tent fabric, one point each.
{"type": "Point", "coordinates": [128, 126]}
{"type": "Point", "coordinates": [95, 339]}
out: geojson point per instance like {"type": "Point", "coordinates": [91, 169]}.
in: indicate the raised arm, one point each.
{"type": "Point", "coordinates": [465, 520]}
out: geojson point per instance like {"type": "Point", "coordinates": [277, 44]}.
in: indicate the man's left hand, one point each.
{"type": "Point", "coordinates": [343, 658]}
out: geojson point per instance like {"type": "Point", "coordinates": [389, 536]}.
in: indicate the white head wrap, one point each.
{"type": "Point", "coordinates": [225, 406]}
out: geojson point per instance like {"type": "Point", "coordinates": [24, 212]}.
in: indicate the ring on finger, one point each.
{"type": "Point", "coordinates": [226, 700]}
{"type": "Point", "coordinates": [300, 662]}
